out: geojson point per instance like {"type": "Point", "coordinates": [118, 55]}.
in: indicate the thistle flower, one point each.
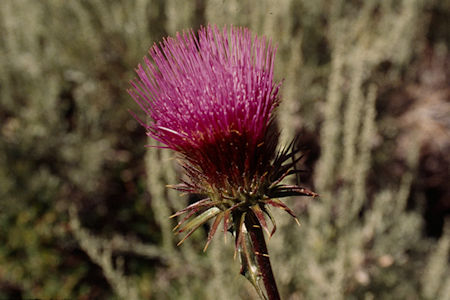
{"type": "Point", "coordinates": [211, 98]}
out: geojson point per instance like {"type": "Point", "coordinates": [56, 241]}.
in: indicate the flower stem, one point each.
{"type": "Point", "coordinates": [262, 255]}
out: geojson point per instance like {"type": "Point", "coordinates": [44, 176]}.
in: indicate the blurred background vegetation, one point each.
{"type": "Point", "coordinates": [83, 204]}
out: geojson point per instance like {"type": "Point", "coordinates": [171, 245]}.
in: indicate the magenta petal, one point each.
{"type": "Point", "coordinates": [210, 96]}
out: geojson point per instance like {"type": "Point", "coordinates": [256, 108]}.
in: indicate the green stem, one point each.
{"type": "Point", "coordinates": [262, 255]}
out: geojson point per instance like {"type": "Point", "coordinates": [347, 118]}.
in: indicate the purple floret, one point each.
{"type": "Point", "coordinates": [210, 97]}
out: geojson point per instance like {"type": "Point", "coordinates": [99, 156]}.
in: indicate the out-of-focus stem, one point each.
{"type": "Point", "coordinates": [262, 255]}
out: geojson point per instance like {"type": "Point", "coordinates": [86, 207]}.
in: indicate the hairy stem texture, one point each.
{"type": "Point", "coordinates": [262, 256]}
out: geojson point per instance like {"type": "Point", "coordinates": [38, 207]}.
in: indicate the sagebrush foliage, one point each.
{"type": "Point", "coordinates": [68, 141]}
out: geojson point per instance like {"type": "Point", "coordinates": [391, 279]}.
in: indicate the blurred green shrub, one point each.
{"type": "Point", "coordinates": [84, 208]}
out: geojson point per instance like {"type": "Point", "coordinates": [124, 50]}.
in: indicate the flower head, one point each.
{"type": "Point", "coordinates": [211, 98]}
